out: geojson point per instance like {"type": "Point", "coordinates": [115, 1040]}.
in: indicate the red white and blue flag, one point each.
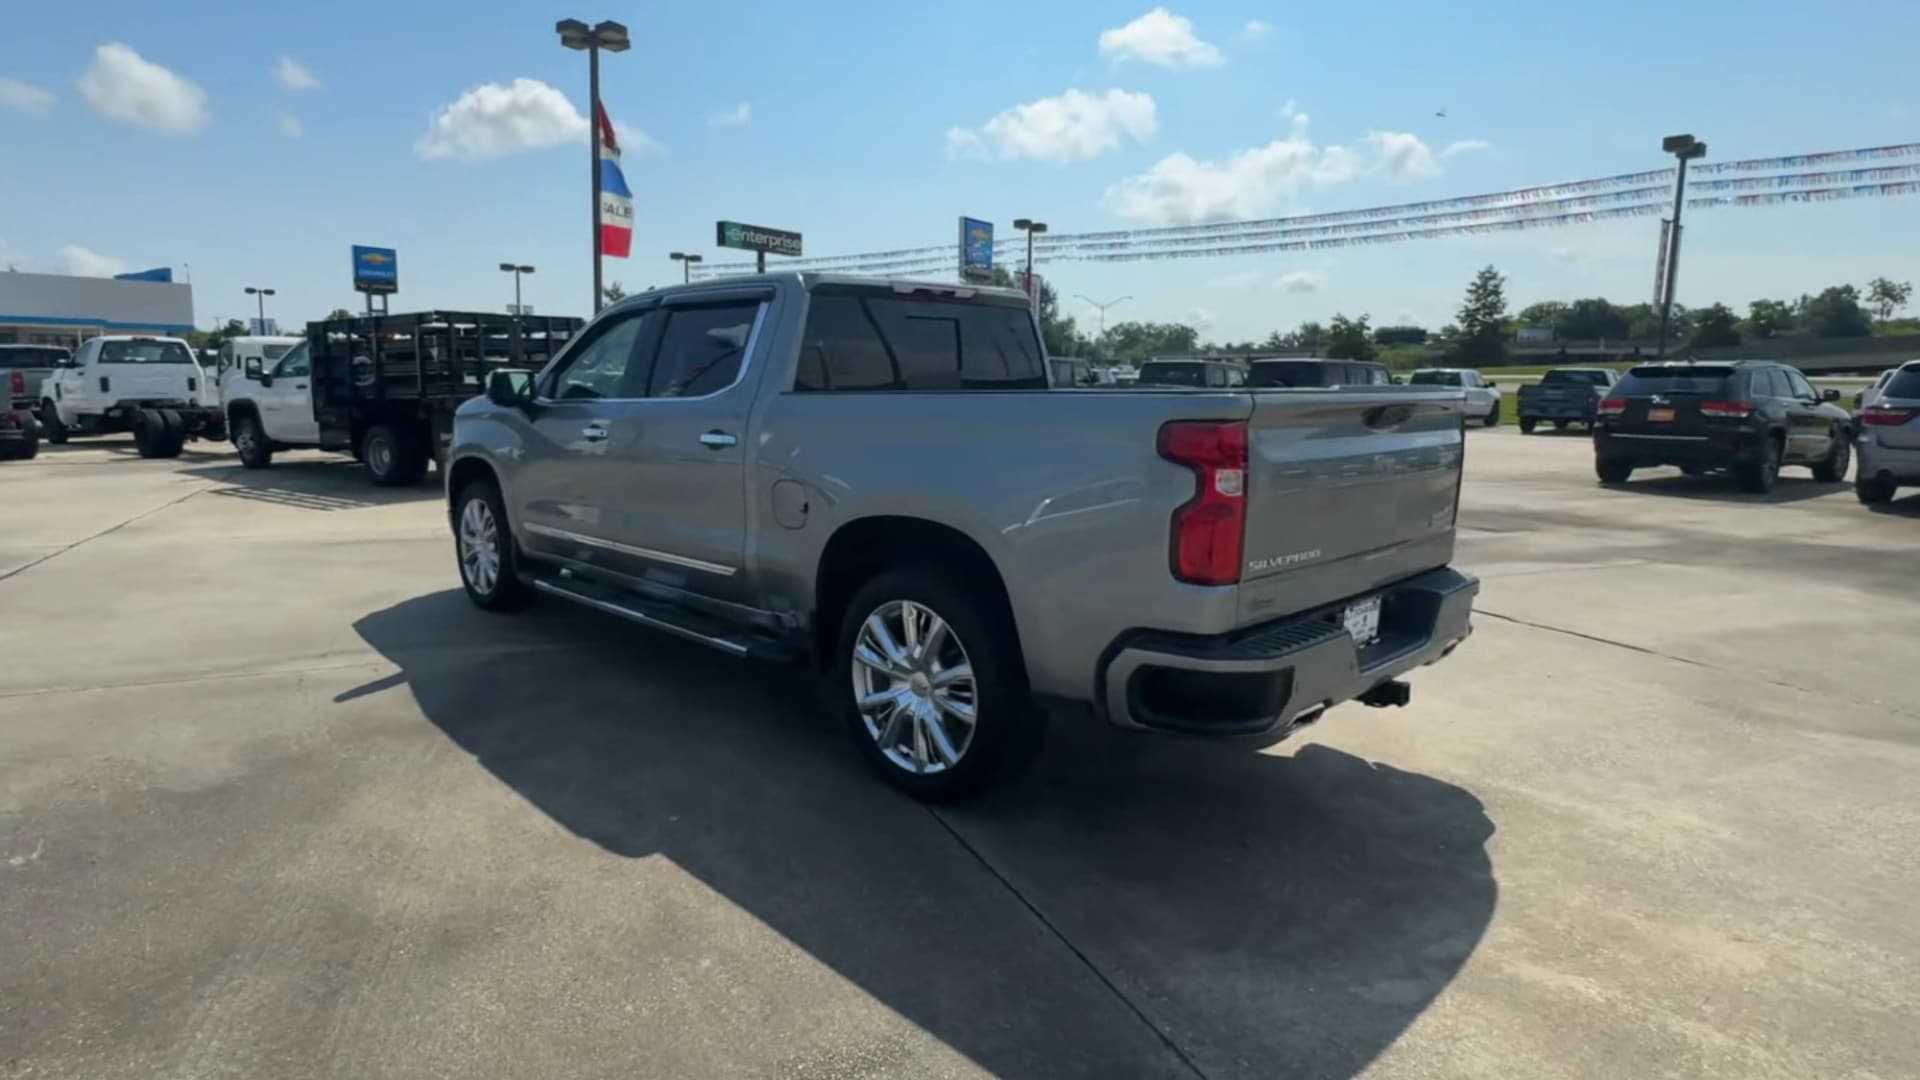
{"type": "Point", "coordinates": [616, 202]}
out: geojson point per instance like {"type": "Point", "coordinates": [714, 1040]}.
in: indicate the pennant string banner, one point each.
{"type": "Point", "coordinates": [1521, 208]}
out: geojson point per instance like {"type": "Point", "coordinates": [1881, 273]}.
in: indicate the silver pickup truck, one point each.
{"type": "Point", "coordinates": [875, 477]}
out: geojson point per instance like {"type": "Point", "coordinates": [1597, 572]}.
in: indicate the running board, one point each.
{"type": "Point", "coordinates": [676, 621]}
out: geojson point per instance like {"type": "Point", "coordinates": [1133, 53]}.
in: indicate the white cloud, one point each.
{"type": "Point", "coordinates": [24, 97]}
{"type": "Point", "coordinates": [1161, 38]}
{"type": "Point", "coordinates": [1256, 29]}
{"type": "Point", "coordinates": [121, 85]}
{"type": "Point", "coordinates": [288, 124]}
{"type": "Point", "coordinates": [1465, 146]}
{"type": "Point", "coordinates": [1402, 155]}
{"type": "Point", "coordinates": [1199, 318]}
{"type": "Point", "coordinates": [74, 259]}
{"type": "Point", "coordinates": [495, 119]}
{"type": "Point", "coordinates": [636, 143]}
{"type": "Point", "coordinates": [295, 75]}
{"type": "Point", "coordinates": [740, 115]}
{"type": "Point", "coordinates": [1071, 127]}
{"type": "Point", "coordinates": [1301, 281]}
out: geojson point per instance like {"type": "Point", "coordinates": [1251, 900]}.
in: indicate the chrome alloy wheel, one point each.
{"type": "Point", "coordinates": [914, 687]}
{"type": "Point", "coordinates": [479, 546]}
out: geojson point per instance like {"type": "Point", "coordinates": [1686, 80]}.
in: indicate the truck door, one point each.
{"type": "Point", "coordinates": [289, 401]}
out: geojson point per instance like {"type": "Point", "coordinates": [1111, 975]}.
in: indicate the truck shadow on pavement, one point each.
{"type": "Point", "coordinates": [1134, 907]}
{"type": "Point", "coordinates": [319, 484]}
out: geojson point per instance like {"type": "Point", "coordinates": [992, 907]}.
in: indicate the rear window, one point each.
{"type": "Point", "coordinates": [1162, 373]}
{"type": "Point", "coordinates": [30, 357]}
{"type": "Point", "coordinates": [883, 342]}
{"type": "Point", "coordinates": [144, 352]}
{"type": "Point", "coordinates": [1904, 384]}
{"type": "Point", "coordinates": [1585, 378]}
{"type": "Point", "coordinates": [1293, 373]}
{"type": "Point", "coordinates": [1696, 379]}
{"type": "Point", "coordinates": [1071, 372]}
{"type": "Point", "coordinates": [1435, 378]}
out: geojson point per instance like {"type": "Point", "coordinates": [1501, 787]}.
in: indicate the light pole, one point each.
{"type": "Point", "coordinates": [1102, 308]}
{"type": "Point", "coordinates": [612, 37]}
{"type": "Point", "coordinates": [686, 262]}
{"type": "Point", "coordinates": [516, 269]}
{"type": "Point", "coordinates": [1685, 148]}
{"type": "Point", "coordinates": [1030, 227]}
{"type": "Point", "coordinates": [260, 301]}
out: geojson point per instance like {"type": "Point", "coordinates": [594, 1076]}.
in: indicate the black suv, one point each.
{"type": "Point", "coordinates": [1314, 372]}
{"type": "Point", "coordinates": [1748, 417]}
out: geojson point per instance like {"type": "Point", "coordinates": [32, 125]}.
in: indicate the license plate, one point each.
{"type": "Point", "coordinates": [1660, 416]}
{"type": "Point", "coordinates": [1362, 619]}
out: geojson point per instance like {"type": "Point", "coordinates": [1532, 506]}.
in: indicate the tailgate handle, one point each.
{"type": "Point", "coordinates": [1387, 416]}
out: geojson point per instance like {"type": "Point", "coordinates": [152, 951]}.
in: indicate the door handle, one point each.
{"type": "Point", "coordinates": [717, 440]}
{"type": "Point", "coordinates": [593, 433]}
{"type": "Point", "coordinates": [299, 386]}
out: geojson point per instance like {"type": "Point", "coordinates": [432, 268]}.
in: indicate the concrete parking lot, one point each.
{"type": "Point", "coordinates": [276, 802]}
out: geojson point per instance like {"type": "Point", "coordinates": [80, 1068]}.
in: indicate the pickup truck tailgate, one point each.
{"type": "Point", "coordinates": [1348, 490]}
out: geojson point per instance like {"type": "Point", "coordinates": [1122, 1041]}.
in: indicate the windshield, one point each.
{"type": "Point", "coordinates": [1563, 377]}
{"type": "Point", "coordinates": [1161, 373]}
{"type": "Point", "coordinates": [32, 357]}
{"type": "Point", "coordinates": [144, 352]}
{"type": "Point", "coordinates": [1287, 373]}
{"type": "Point", "coordinates": [274, 352]}
{"type": "Point", "coordinates": [1435, 378]}
{"type": "Point", "coordinates": [1699, 379]}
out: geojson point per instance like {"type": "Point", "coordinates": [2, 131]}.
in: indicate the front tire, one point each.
{"type": "Point", "coordinates": [1526, 425]}
{"type": "Point", "coordinates": [483, 545]}
{"type": "Point", "coordinates": [252, 444]}
{"type": "Point", "coordinates": [1832, 469]}
{"type": "Point", "coordinates": [1612, 470]}
{"type": "Point", "coordinates": [932, 685]}
{"type": "Point", "coordinates": [50, 420]}
{"type": "Point", "coordinates": [1873, 490]}
{"type": "Point", "coordinates": [1493, 416]}
{"type": "Point", "coordinates": [1758, 476]}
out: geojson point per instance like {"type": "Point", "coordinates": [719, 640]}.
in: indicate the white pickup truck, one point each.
{"type": "Point", "coordinates": [151, 386]}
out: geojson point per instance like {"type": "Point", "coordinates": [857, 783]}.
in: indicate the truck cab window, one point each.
{"type": "Point", "coordinates": [701, 349]}
{"type": "Point", "coordinates": [598, 369]}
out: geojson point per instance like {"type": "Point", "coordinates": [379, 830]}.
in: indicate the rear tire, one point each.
{"type": "Point", "coordinates": [1612, 470]}
{"type": "Point", "coordinates": [1833, 468]}
{"type": "Point", "coordinates": [256, 452]}
{"type": "Point", "coordinates": [1873, 490]}
{"type": "Point", "coordinates": [50, 420]}
{"type": "Point", "coordinates": [1759, 475]}
{"type": "Point", "coordinates": [1526, 425]}
{"type": "Point", "coordinates": [1493, 416]}
{"type": "Point", "coordinates": [484, 550]}
{"type": "Point", "coordinates": [394, 456]}
{"type": "Point", "coordinates": [897, 739]}
{"type": "Point", "coordinates": [1562, 425]}
{"type": "Point", "coordinates": [28, 447]}
{"type": "Point", "coordinates": [158, 433]}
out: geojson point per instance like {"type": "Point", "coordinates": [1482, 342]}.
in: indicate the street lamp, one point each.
{"type": "Point", "coordinates": [516, 269]}
{"type": "Point", "coordinates": [1102, 308]}
{"type": "Point", "coordinates": [1685, 148]}
{"type": "Point", "coordinates": [686, 262]}
{"type": "Point", "coordinates": [260, 300]}
{"type": "Point", "coordinates": [612, 37]}
{"type": "Point", "coordinates": [1030, 227]}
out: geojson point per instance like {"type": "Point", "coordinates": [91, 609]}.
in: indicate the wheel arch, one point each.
{"type": "Point", "coordinates": [864, 547]}
{"type": "Point", "coordinates": [463, 471]}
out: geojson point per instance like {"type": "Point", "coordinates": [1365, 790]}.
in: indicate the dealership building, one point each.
{"type": "Point", "coordinates": [55, 309]}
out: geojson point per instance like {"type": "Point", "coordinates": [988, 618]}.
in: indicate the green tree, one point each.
{"type": "Point", "coordinates": [614, 292]}
{"type": "Point", "coordinates": [1483, 319]}
{"type": "Point", "coordinates": [1350, 339]}
{"type": "Point", "coordinates": [1715, 326]}
{"type": "Point", "coordinates": [1769, 318]}
{"type": "Point", "coordinates": [1592, 319]}
{"type": "Point", "coordinates": [339, 313]}
{"type": "Point", "coordinates": [1310, 335]}
{"type": "Point", "coordinates": [1545, 313]}
{"type": "Point", "coordinates": [1886, 296]}
{"type": "Point", "coordinates": [1836, 313]}
{"type": "Point", "coordinates": [1137, 342]}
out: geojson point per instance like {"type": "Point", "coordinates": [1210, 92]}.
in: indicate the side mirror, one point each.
{"type": "Point", "coordinates": [253, 367]}
{"type": "Point", "coordinates": [1829, 395]}
{"type": "Point", "coordinates": [510, 388]}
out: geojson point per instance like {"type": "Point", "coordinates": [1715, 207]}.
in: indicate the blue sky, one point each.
{"type": "Point", "coordinates": [140, 135]}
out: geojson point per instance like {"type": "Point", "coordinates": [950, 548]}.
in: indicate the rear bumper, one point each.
{"type": "Point", "coordinates": [1715, 450]}
{"type": "Point", "coordinates": [1874, 460]}
{"type": "Point", "coordinates": [1556, 410]}
{"type": "Point", "coordinates": [1265, 679]}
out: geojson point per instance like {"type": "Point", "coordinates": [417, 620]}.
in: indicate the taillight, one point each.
{"type": "Point", "coordinates": [1726, 409]}
{"type": "Point", "coordinates": [1612, 406]}
{"type": "Point", "coordinates": [18, 382]}
{"type": "Point", "coordinates": [1209, 530]}
{"type": "Point", "coordinates": [1887, 416]}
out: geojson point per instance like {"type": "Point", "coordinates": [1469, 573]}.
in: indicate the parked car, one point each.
{"type": "Point", "coordinates": [873, 477]}
{"type": "Point", "coordinates": [1889, 440]}
{"type": "Point", "coordinates": [1199, 374]}
{"type": "Point", "coordinates": [150, 386]}
{"type": "Point", "coordinates": [1748, 417]}
{"type": "Point", "coordinates": [1564, 396]}
{"type": "Point", "coordinates": [1865, 397]}
{"type": "Point", "coordinates": [1483, 398]}
{"type": "Point", "coordinates": [1070, 372]}
{"type": "Point", "coordinates": [1296, 372]}
{"type": "Point", "coordinates": [382, 388]}
{"type": "Point", "coordinates": [23, 368]}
